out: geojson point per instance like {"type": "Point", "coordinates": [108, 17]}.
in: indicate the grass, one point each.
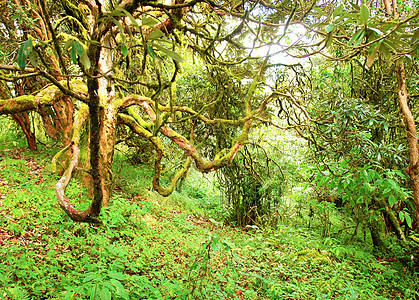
{"type": "Point", "coordinates": [150, 247]}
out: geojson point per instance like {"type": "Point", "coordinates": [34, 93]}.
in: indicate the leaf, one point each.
{"type": "Point", "coordinates": [90, 277]}
{"type": "Point", "coordinates": [392, 200]}
{"type": "Point", "coordinates": [116, 275]}
{"type": "Point", "coordinates": [354, 6]}
{"type": "Point", "coordinates": [27, 47]}
{"type": "Point", "coordinates": [33, 57]}
{"type": "Point", "coordinates": [401, 215]}
{"type": "Point", "coordinates": [118, 286]}
{"type": "Point", "coordinates": [386, 191]}
{"type": "Point", "coordinates": [360, 38]}
{"type": "Point", "coordinates": [21, 58]}
{"type": "Point", "coordinates": [329, 41]}
{"type": "Point", "coordinates": [408, 219]}
{"type": "Point", "coordinates": [170, 53]}
{"type": "Point", "coordinates": [371, 56]}
{"type": "Point", "coordinates": [148, 21]}
{"type": "Point", "coordinates": [133, 20]}
{"type": "Point", "coordinates": [155, 34]}
{"type": "Point", "coordinates": [73, 54]}
{"type": "Point", "coordinates": [117, 13]}
{"type": "Point", "coordinates": [364, 15]}
{"type": "Point", "coordinates": [79, 48]}
{"type": "Point", "coordinates": [377, 31]}
{"type": "Point", "coordinates": [68, 44]}
{"type": "Point", "coordinates": [121, 29]}
{"type": "Point", "coordinates": [385, 51]}
{"type": "Point", "coordinates": [371, 174]}
{"type": "Point", "coordinates": [355, 36]}
{"type": "Point", "coordinates": [393, 184]}
{"type": "Point", "coordinates": [84, 60]}
{"type": "Point", "coordinates": [124, 50]}
{"type": "Point", "coordinates": [329, 28]}
{"type": "Point", "coordinates": [105, 294]}
{"type": "Point", "coordinates": [151, 51]}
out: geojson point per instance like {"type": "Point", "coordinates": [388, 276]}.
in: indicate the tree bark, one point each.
{"type": "Point", "coordinates": [411, 131]}
{"type": "Point", "coordinates": [22, 119]}
{"type": "Point", "coordinates": [91, 212]}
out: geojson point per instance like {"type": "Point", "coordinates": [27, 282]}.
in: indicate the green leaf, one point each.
{"type": "Point", "coordinates": [155, 34]}
{"type": "Point", "coordinates": [360, 38]}
{"type": "Point", "coordinates": [367, 187]}
{"type": "Point", "coordinates": [355, 36]}
{"type": "Point", "coordinates": [151, 51]}
{"type": "Point", "coordinates": [73, 54]}
{"type": "Point", "coordinates": [371, 56]}
{"type": "Point", "coordinates": [116, 275]}
{"type": "Point", "coordinates": [364, 174]}
{"type": "Point", "coordinates": [124, 50]}
{"type": "Point", "coordinates": [392, 200]}
{"type": "Point", "coordinates": [79, 48]}
{"type": "Point", "coordinates": [105, 294]}
{"type": "Point", "coordinates": [329, 41]}
{"type": "Point", "coordinates": [21, 58]}
{"type": "Point", "coordinates": [90, 277]}
{"type": "Point", "coordinates": [354, 6]}
{"type": "Point", "coordinates": [121, 29]}
{"type": "Point", "coordinates": [84, 60]}
{"type": "Point", "coordinates": [27, 47]}
{"type": "Point", "coordinates": [377, 31]}
{"type": "Point", "coordinates": [33, 57]}
{"type": "Point", "coordinates": [133, 20]}
{"type": "Point", "coordinates": [148, 21]}
{"type": "Point", "coordinates": [170, 53]}
{"type": "Point", "coordinates": [393, 184]}
{"type": "Point", "coordinates": [371, 174]}
{"type": "Point", "coordinates": [117, 13]}
{"type": "Point", "coordinates": [364, 15]}
{"type": "Point", "coordinates": [401, 215]}
{"type": "Point", "coordinates": [385, 50]}
{"type": "Point", "coordinates": [120, 289]}
{"type": "Point", "coordinates": [408, 220]}
{"type": "Point", "coordinates": [387, 190]}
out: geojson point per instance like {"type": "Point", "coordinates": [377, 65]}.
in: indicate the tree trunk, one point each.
{"type": "Point", "coordinates": [392, 219]}
{"type": "Point", "coordinates": [376, 236]}
{"type": "Point", "coordinates": [412, 136]}
{"type": "Point", "coordinates": [22, 119]}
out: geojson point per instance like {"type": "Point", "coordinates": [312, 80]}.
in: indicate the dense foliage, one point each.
{"type": "Point", "coordinates": [267, 124]}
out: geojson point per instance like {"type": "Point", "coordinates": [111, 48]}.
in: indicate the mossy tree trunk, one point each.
{"type": "Point", "coordinates": [412, 137]}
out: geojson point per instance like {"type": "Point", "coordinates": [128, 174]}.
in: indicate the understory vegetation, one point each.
{"type": "Point", "coordinates": [183, 246]}
{"type": "Point", "coordinates": [209, 149]}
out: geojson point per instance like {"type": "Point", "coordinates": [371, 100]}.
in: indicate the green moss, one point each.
{"type": "Point", "coordinates": [312, 256]}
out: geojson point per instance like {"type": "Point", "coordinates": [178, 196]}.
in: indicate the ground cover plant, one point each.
{"type": "Point", "coordinates": [209, 149]}
{"type": "Point", "coordinates": [150, 247]}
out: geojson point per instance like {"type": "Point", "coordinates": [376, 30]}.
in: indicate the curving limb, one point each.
{"type": "Point", "coordinates": [225, 156]}
{"type": "Point", "coordinates": [138, 129]}
{"type": "Point", "coordinates": [93, 210]}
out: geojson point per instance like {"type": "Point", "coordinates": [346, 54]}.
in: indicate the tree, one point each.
{"type": "Point", "coordinates": [353, 120]}
{"type": "Point", "coordinates": [118, 63]}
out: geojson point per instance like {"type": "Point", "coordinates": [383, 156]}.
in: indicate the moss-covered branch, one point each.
{"type": "Point", "coordinates": [46, 97]}
{"type": "Point", "coordinates": [138, 129]}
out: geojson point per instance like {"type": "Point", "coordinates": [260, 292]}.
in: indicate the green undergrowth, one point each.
{"type": "Point", "coordinates": [150, 247]}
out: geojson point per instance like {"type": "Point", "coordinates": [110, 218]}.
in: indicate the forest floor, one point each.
{"type": "Point", "coordinates": [150, 247]}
